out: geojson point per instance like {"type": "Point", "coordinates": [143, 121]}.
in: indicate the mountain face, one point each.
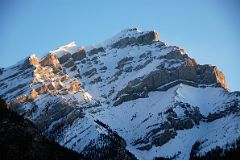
{"type": "Point", "coordinates": [130, 97]}
{"type": "Point", "coordinates": [20, 140]}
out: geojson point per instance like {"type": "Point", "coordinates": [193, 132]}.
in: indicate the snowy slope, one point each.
{"type": "Point", "coordinates": [134, 120]}
{"type": "Point", "coordinates": [131, 93]}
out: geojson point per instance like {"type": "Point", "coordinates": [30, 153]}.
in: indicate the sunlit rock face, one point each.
{"type": "Point", "coordinates": [50, 60]}
{"type": "Point", "coordinates": [132, 97]}
{"type": "Point", "coordinates": [42, 91]}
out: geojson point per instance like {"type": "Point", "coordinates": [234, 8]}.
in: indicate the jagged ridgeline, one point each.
{"type": "Point", "coordinates": [130, 97]}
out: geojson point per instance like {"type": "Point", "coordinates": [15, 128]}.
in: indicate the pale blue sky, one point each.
{"type": "Point", "coordinates": [208, 30]}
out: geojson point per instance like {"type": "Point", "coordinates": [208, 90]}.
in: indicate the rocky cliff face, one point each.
{"type": "Point", "coordinates": [167, 75]}
{"type": "Point", "coordinates": [131, 97]}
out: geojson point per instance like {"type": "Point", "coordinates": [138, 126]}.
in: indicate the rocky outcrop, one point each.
{"type": "Point", "coordinates": [144, 39]}
{"type": "Point", "coordinates": [230, 108]}
{"type": "Point", "coordinates": [74, 86]}
{"type": "Point", "coordinates": [103, 68]}
{"type": "Point", "coordinates": [78, 56]}
{"type": "Point", "coordinates": [33, 60]}
{"type": "Point", "coordinates": [167, 130]}
{"type": "Point", "coordinates": [50, 60]}
{"type": "Point", "coordinates": [64, 58]}
{"type": "Point", "coordinates": [95, 51]}
{"type": "Point", "coordinates": [90, 72]}
{"type": "Point", "coordinates": [68, 60]}
{"type": "Point", "coordinates": [98, 79]}
{"type": "Point", "coordinates": [123, 62]}
{"type": "Point", "coordinates": [148, 38]}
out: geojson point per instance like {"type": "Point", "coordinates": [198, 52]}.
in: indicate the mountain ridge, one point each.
{"type": "Point", "coordinates": [132, 91]}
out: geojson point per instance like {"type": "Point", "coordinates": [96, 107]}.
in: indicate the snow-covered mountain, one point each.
{"type": "Point", "coordinates": [130, 97]}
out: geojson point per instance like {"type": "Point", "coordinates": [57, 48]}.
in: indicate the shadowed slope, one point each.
{"type": "Point", "coordinates": [21, 140]}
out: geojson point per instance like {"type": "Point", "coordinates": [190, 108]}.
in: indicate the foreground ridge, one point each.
{"type": "Point", "coordinates": [21, 140]}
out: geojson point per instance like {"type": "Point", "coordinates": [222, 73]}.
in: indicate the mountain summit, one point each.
{"type": "Point", "coordinates": [130, 97]}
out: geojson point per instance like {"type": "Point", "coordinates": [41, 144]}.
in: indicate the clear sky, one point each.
{"type": "Point", "coordinates": [208, 30]}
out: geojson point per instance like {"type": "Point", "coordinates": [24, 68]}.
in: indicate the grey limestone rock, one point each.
{"type": "Point", "coordinates": [90, 72]}
{"type": "Point", "coordinates": [144, 39]}
{"type": "Point", "coordinates": [96, 51]}
{"type": "Point", "coordinates": [189, 73]}
{"type": "Point", "coordinates": [64, 58]}
{"type": "Point", "coordinates": [78, 56]}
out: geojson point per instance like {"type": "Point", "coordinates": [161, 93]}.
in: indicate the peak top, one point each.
{"type": "Point", "coordinates": [130, 30]}
{"type": "Point", "coordinates": [71, 44]}
{"type": "Point", "coordinates": [69, 48]}
{"type": "Point", "coordinates": [133, 32]}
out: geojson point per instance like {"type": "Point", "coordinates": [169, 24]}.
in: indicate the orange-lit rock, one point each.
{"type": "Point", "coordinates": [33, 95]}
{"type": "Point", "coordinates": [74, 86]}
{"type": "Point", "coordinates": [50, 60]}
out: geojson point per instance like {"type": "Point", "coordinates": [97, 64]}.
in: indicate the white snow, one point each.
{"type": "Point", "coordinates": [132, 120]}
{"type": "Point", "coordinates": [207, 99]}
{"type": "Point", "coordinates": [69, 48]}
